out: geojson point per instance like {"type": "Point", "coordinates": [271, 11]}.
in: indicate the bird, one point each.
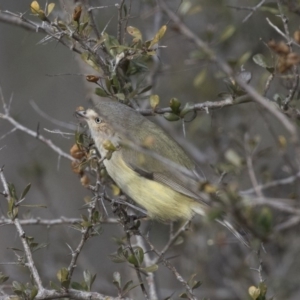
{"type": "Point", "coordinates": [147, 164]}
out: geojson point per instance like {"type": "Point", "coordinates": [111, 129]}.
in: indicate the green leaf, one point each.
{"type": "Point", "coordinates": [89, 278]}
{"type": "Point", "coordinates": [54, 286]}
{"type": "Point", "coordinates": [3, 278]}
{"type": "Point", "coordinates": [26, 190]}
{"type": "Point", "coordinates": [263, 289]}
{"type": "Point", "coordinates": [183, 295]}
{"type": "Point", "coordinates": [200, 78]}
{"type": "Point", "coordinates": [188, 107]}
{"type": "Point", "coordinates": [90, 60]}
{"type": "Point", "coordinates": [171, 117]}
{"type": "Point", "coordinates": [77, 286]}
{"type": "Point", "coordinates": [233, 158]}
{"type": "Point", "coordinates": [100, 92]}
{"type": "Point", "coordinates": [38, 246]}
{"type": "Point", "coordinates": [62, 276]}
{"type": "Point", "coordinates": [120, 96]}
{"type": "Point", "coordinates": [227, 33]}
{"type": "Point", "coordinates": [150, 269]}
{"type": "Point", "coordinates": [154, 101]}
{"type": "Point", "coordinates": [12, 190]}
{"type": "Point", "coordinates": [260, 60]}
{"type": "Point", "coordinates": [175, 105]}
{"type": "Point", "coordinates": [34, 292]}
{"type": "Point", "coordinates": [50, 8]}
{"type": "Point", "coordinates": [158, 36]}
{"type": "Point", "coordinates": [117, 258]}
{"type": "Point", "coordinates": [128, 287]}
{"type": "Point", "coordinates": [135, 32]}
{"type": "Point", "coordinates": [139, 253]}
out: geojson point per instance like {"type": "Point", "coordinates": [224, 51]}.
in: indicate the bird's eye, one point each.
{"type": "Point", "coordinates": [98, 120]}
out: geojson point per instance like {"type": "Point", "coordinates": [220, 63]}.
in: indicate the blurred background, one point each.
{"type": "Point", "coordinates": [49, 76]}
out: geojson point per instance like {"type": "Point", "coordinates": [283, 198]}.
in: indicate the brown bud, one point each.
{"type": "Point", "coordinates": [76, 152]}
{"type": "Point", "coordinates": [292, 59]}
{"type": "Point", "coordinates": [77, 13]}
{"type": "Point", "coordinates": [92, 78]}
{"type": "Point", "coordinates": [282, 66]}
{"type": "Point", "coordinates": [85, 181]}
{"type": "Point", "coordinates": [76, 167]}
{"type": "Point", "coordinates": [282, 48]}
{"type": "Point", "coordinates": [272, 44]}
{"type": "Point", "coordinates": [297, 36]}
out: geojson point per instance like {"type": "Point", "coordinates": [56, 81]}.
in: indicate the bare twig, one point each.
{"type": "Point", "coordinates": [274, 184]}
{"type": "Point", "coordinates": [53, 222]}
{"type": "Point", "coordinates": [85, 235]}
{"type": "Point", "coordinates": [30, 262]}
{"type": "Point", "coordinates": [204, 106]}
{"type": "Point", "coordinates": [190, 293]}
{"type": "Point", "coordinates": [252, 9]}
{"type": "Point", "coordinates": [137, 270]}
{"type": "Point", "coordinates": [251, 168]}
{"type": "Point", "coordinates": [120, 21]}
{"type": "Point", "coordinates": [150, 275]}
{"type": "Point", "coordinates": [173, 237]}
{"type": "Point", "coordinates": [36, 135]}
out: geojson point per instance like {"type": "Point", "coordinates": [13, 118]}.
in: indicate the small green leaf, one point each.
{"type": "Point", "coordinates": [227, 33]}
{"type": "Point", "coordinates": [3, 278]}
{"type": "Point", "coordinates": [89, 279]}
{"type": "Point", "coordinates": [171, 117]}
{"type": "Point", "coordinates": [135, 32]}
{"type": "Point", "coordinates": [150, 269]}
{"type": "Point", "coordinates": [26, 190]}
{"type": "Point", "coordinates": [233, 158]}
{"type": "Point", "coordinates": [200, 78]}
{"type": "Point", "coordinates": [183, 295]}
{"type": "Point", "coordinates": [77, 286]}
{"type": "Point", "coordinates": [90, 60]}
{"type": "Point", "coordinates": [254, 292]}
{"type": "Point", "coordinates": [260, 60]}
{"type": "Point", "coordinates": [50, 8]}
{"type": "Point", "coordinates": [188, 107]}
{"type": "Point", "coordinates": [62, 276]}
{"type": "Point", "coordinates": [154, 101]}
{"type": "Point", "coordinates": [158, 36]}
{"type": "Point", "coordinates": [128, 287]}
{"type": "Point", "coordinates": [12, 190]}
{"type": "Point", "coordinates": [263, 289]}
{"type": "Point", "coordinates": [175, 105]}
{"type": "Point", "coordinates": [120, 96]}
{"type": "Point", "coordinates": [34, 292]}
{"type": "Point", "coordinates": [100, 92]}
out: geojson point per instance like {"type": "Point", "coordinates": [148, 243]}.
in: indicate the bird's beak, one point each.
{"type": "Point", "coordinates": [81, 114]}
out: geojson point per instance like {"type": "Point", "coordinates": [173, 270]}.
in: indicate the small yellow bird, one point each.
{"type": "Point", "coordinates": [147, 164]}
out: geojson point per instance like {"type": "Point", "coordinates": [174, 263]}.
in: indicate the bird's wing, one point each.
{"type": "Point", "coordinates": [152, 169]}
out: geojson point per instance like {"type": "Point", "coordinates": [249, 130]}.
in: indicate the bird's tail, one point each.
{"type": "Point", "coordinates": [230, 227]}
{"type": "Point", "coordinates": [199, 209]}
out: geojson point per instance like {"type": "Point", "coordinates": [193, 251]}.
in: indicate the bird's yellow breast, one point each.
{"type": "Point", "coordinates": [159, 200]}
